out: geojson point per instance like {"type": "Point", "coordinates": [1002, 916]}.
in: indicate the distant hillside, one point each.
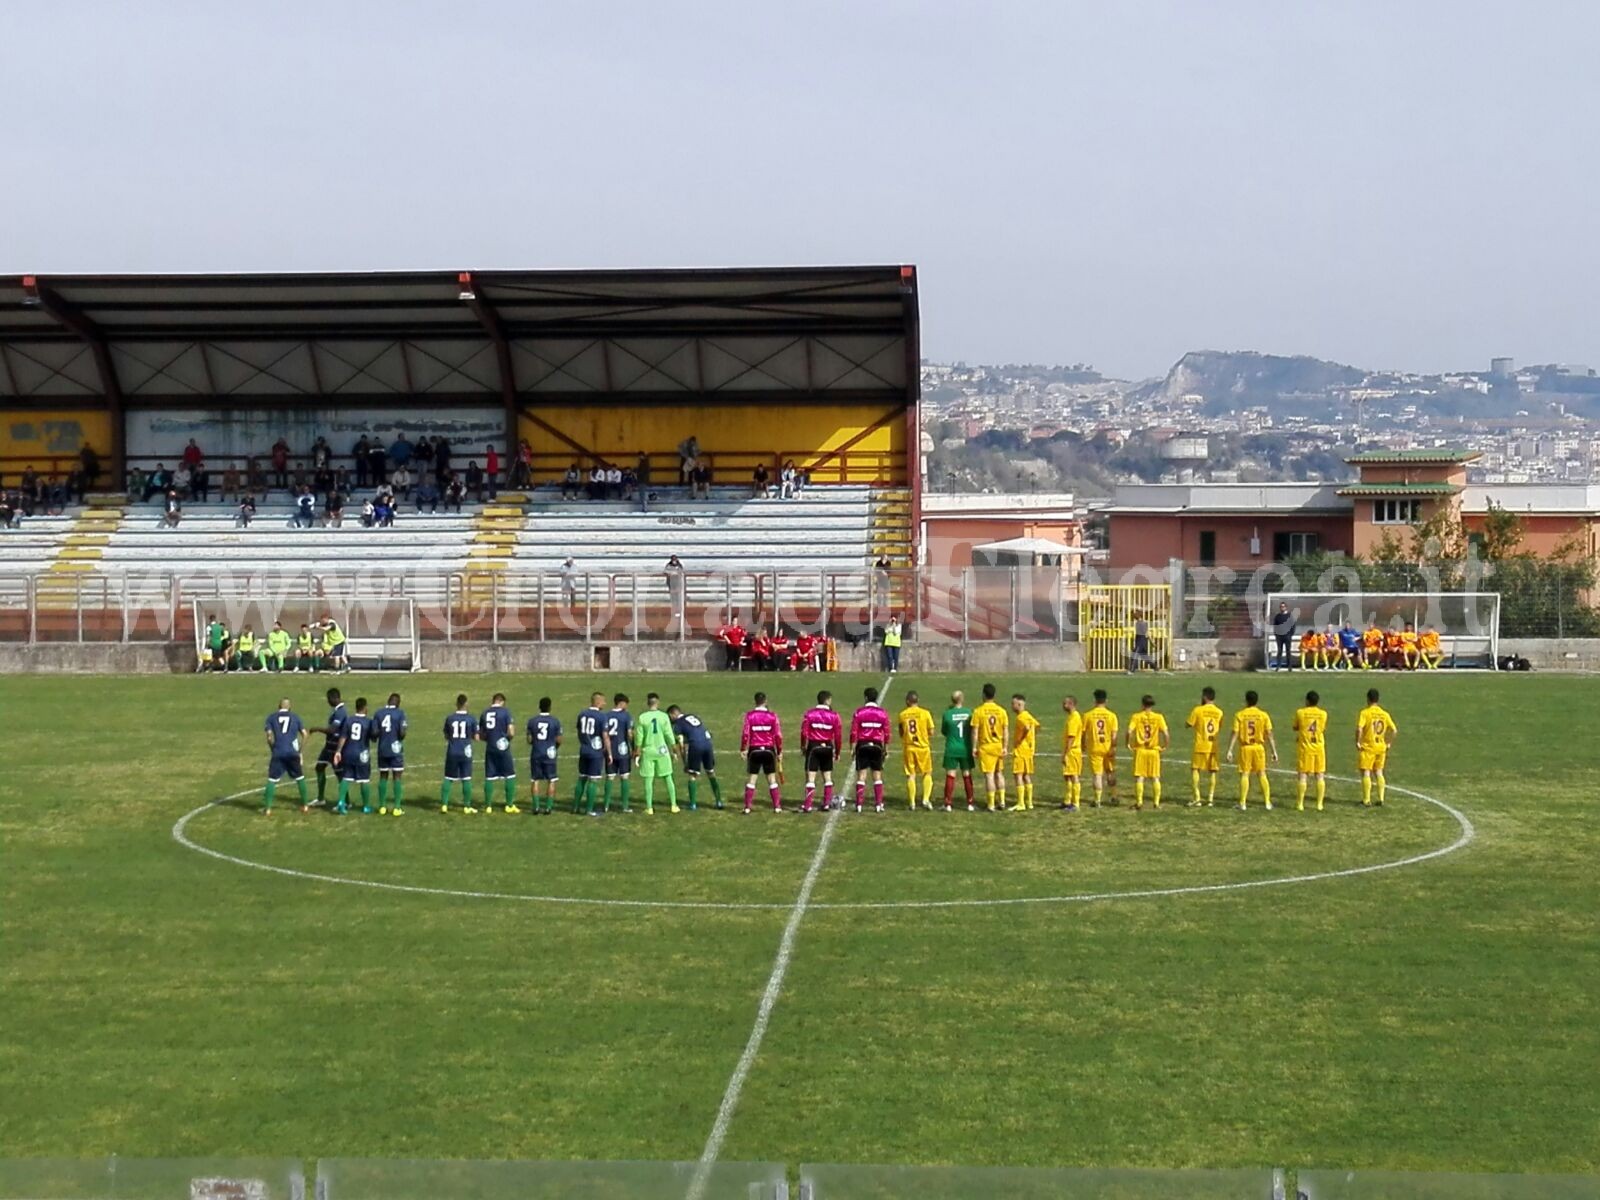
{"type": "Point", "coordinates": [1227, 380]}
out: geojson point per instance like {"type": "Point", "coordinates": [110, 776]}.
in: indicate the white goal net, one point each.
{"type": "Point", "coordinates": [1468, 623]}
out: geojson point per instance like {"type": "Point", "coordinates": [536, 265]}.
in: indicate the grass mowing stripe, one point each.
{"type": "Point", "coordinates": [769, 998]}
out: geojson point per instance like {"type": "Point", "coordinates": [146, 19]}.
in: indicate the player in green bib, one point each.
{"type": "Point", "coordinates": [955, 726]}
{"type": "Point", "coordinates": [653, 739]}
{"type": "Point", "coordinates": [278, 644]}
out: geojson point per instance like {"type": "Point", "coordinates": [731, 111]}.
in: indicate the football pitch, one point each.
{"type": "Point", "coordinates": [1411, 987]}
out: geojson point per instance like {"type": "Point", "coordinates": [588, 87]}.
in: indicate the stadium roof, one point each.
{"type": "Point", "coordinates": [838, 332]}
{"type": "Point", "coordinates": [1413, 457]}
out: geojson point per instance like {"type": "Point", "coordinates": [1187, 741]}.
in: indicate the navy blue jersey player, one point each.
{"type": "Point", "coordinates": [496, 729]}
{"type": "Point", "coordinates": [389, 722]}
{"type": "Point", "coordinates": [592, 753]}
{"type": "Point", "coordinates": [694, 744]}
{"type": "Point", "coordinates": [354, 757]}
{"type": "Point", "coordinates": [619, 749]}
{"type": "Point", "coordinates": [544, 741]}
{"type": "Point", "coordinates": [331, 733]}
{"type": "Point", "coordinates": [460, 730]}
{"type": "Point", "coordinates": [284, 730]}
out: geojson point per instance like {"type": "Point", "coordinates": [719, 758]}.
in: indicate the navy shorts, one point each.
{"type": "Point", "coordinates": [620, 764]}
{"type": "Point", "coordinates": [391, 762]}
{"type": "Point", "coordinates": [543, 766]}
{"type": "Point", "coordinates": [325, 755]}
{"type": "Point", "coordinates": [289, 765]}
{"type": "Point", "coordinates": [499, 764]}
{"type": "Point", "coordinates": [356, 767]}
{"type": "Point", "coordinates": [699, 758]}
{"type": "Point", "coordinates": [458, 764]}
{"type": "Point", "coordinates": [591, 764]}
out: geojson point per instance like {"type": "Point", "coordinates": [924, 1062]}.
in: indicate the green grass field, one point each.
{"type": "Point", "coordinates": [1439, 1016]}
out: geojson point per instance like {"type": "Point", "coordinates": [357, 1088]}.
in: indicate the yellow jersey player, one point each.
{"type": "Point", "coordinates": [1251, 741]}
{"type": "Point", "coordinates": [1100, 740]}
{"type": "Point", "coordinates": [1024, 745]}
{"type": "Point", "coordinates": [1375, 733]}
{"type": "Point", "coordinates": [1429, 651]}
{"type": "Point", "coordinates": [990, 727]}
{"type": "Point", "coordinates": [1147, 738]}
{"type": "Point", "coordinates": [1205, 719]}
{"type": "Point", "coordinates": [915, 724]}
{"type": "Point", "coordinates": [1071, 755]}
{"type": "Point", "coordinates": [1311, 749]}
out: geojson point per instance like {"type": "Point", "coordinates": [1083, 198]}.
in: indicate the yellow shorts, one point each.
{"type": "Point", "coordinates": [1147, 764]}
{"type": "Point", "coordinates": [1311, 760]}
{"type": "Point", "coordinates": [919, 762]}
{"type": "Point", "coordinates": [1252, 759]}
{"type": "Point", "coordinates": [1372, 760]}
{"type": "Point", "coordinates": [1021, 764]}
{"type": "Point", "coordinates": [1072, 764]}
{"type": "Point", "coordinates": [990, 759]}
{"type": "Point", "coordinates": [1100, 764]}
{"type": "Point", "coordinates": [1205, 760]}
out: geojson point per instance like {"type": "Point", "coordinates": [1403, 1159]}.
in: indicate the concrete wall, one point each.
{"type": "Point", "coordinates": [110, 658]}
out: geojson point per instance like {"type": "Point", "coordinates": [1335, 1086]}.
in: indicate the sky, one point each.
{"type": "Point", "coordinates": [1395, 185]}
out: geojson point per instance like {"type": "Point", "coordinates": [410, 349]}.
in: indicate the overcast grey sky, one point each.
{"type": "Point", "coordinates": [1390, 183]}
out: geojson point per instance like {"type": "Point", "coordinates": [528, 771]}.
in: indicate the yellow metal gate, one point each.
{"type": "Point", "coordinates": [1114, 615]}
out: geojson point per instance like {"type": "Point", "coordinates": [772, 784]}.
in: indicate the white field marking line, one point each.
{"type": "Point", "coordinates": [1464, 837]}
{"type": "Point", "coordinates": [769, 998]}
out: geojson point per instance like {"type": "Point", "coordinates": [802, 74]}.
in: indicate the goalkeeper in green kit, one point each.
{"type": "Point", "coordinates": [653, 739]}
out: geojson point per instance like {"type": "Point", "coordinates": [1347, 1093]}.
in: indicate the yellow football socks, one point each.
{"type": "Point", "coordinates": [1194, 781]}
{"type": "Point", "coordinates": [1155, 790]}
{"type": "Point", "coordinates": [1322, 791]}
{"type": "Point", "coordinates": [1383, 785]}
{"type": "Point", "coordinates": [1366, 789]}
{"type": "Point", "coordinates": [1266, 792]}
{"type": "Point", "coordinates": [1300, 793]}
{"type": "Point", "coordinates": [1138, 793]}
{"type": "Point", "coordinates": [927, 790]}
{"type": "Point", "coordinates": [1244, 791]}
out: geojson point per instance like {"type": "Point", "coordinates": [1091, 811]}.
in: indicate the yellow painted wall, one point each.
{"type": "Point", "coordinates": [43, 436]}
{"type": "Point", "coordinates": [732, 435]}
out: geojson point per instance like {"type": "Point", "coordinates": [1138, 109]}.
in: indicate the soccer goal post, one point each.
{"type": "Point", "coordinates": [1468, 623]}
{"type": "Point", "coordinates": [380, 631]}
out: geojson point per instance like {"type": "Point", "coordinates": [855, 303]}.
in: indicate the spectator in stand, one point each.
{"type": "Point", "coordinates": [571, 483]}
{"type": "Point", "coordinates": [641, 472]}
{"type": "Point", "coordinates": [383, 509]}
{"type": "Point", "coordinates": [700, 487]}
{"type": "Point", "coordinates": [522, 470]}
{"type": "Point", "coordinates": [361, 452]}
{"type": "Point", "coordinates": [200, 482]}
{"type": "Point", "coordinates": [427, 496]}
{"type": "Point", "coordinates": [10, 515]}
{"type": "Point", "coordinates": [321, 454]}
{"type": "Point", "coordinates": [254, 478]}
{"type": "Point", "coordinates": [475, 480]}
{"type": "Point", "coordinates": [377, 463]}
{"type": "Point", "coordinates": [55, 495]}
{"type": "Point", "coordinates": [322, 480]}
{"type": "Point", "coordinates": [761, 482]}
{"type": "Point", "coordinates": [88, 468]}
{"type": "Point", "coordinates": [305, 509]}
{"type": "Point", "coordinates": [441, 455]}
{"type": "Point", "coordinates": [613, 482]}
{"type": "Point", "coordinates": [789, 481]}
{"type": "Point", "coordinates": [155, 484]}
{"type": "Point", "coordinates": [675, 587]}
{"type": "Point", "coordinates": [280, 463]}
{"type": "Point", "coordinates": [400, 480]}
{"type": "Point", "coordinates": [191, 455]}
{"type": "Point", "coordinates": [400, 451]}
{"type": "Point", "coordinates": [137, 484]}
{"type": "Point", "coordinates": [230, 482]}
{"type": "Point", "coordinates": [30, 479]}
{"type": "Point", "coordinates": [688, 456]}
{"type": "Point", "coordinates": [246, 513]}
{"type": "Point", "coordinates": [453, 494]}
{"type": "Point", "coordinates": [491, 471]}
{"type": "Point", "coordinates": [75, 486]}
{"type": "Point", "coordinates": [597, 483]}
{"type": "Point", "coordinates": [630, 483]}
{"type": "Point", "coordinates": [369, 513]}
{"type": "Point", "coordinates": [422, 457]}
{"type": "Point", "coordinates": [172, 511]}
{"type": "Point", "coordinates": [569, 582]}
{"type": "Point", "coordinates": [182, 479]}
{"type": "Point", "coordinates": [333, 511]}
